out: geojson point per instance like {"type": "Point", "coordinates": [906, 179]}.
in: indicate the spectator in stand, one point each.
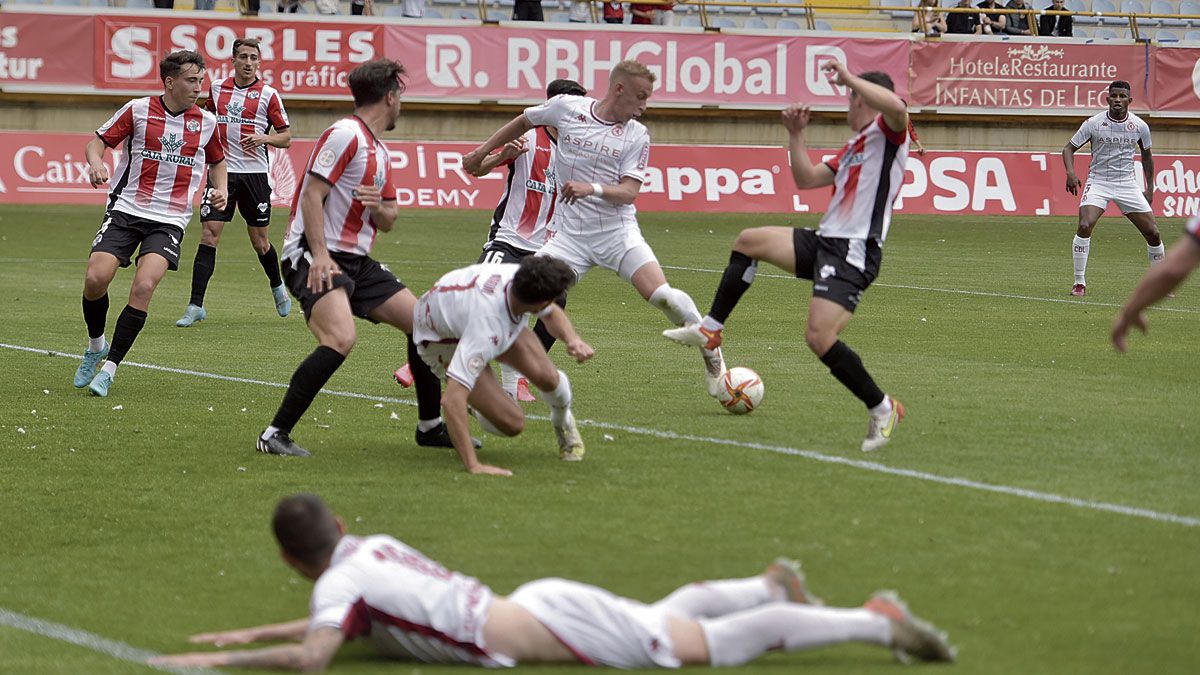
{"type": "Point", "coordinates": [665, 16]}
{"type": "Point", "coordinates": [1056, 25]}
{"type": "Point", "coordinates": [527, 10]}
{"type": "Point", "coordinates": [643, 15]}
{"type": "Point", "coordinates": [164, 4]}
{"type": "Point", "coordinates": [362, 8]}
{"type": "Point", "coordinates": [203, 5]}
{"type": "Point", "coordinates": [248, 7]}
{"type": "Point", "coordinates": [933, 23]}
{"type": "Point", "coordinates": [964, 23]}
{"type": "Point", "coordinates": [993, 24]}
{"type": "Point", "coordinates": [413, 9]}
{"type": "Point", "coordinates": [1018, 24]}
{"type": "Point", "coordinates": [285, 6]}
{"type": "Point", "coordinates": [581, 12]}
{"type": "Point", "coordinates": [614, 12]}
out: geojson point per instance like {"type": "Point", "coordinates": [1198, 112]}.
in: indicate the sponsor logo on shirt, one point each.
{"type": "Point", "coordinates": [171, 144]}
{"type": "Point", "coordinates": [827, 271]}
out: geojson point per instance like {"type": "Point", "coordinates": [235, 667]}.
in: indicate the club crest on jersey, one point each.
{"type": "Point", "coordinates": [618, 130]}
{"type": "Point", "coordinates": [192, 126]}
{"type": "Point", "coordinates": [1129, 126]}
{"type": "Point", "coordinates": [253, 96]}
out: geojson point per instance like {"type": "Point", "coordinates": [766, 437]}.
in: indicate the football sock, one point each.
{"type": "Point", "coordinates": [110, 368]}
{"type": "Point", "coordinates": [712, 324]}
{"type": "Point", "coordinates": [1079, 254]}
{"type": "Point", "coordinates": [129, 324]}
{"type": "Point", "coordinates": [270, 265]}
{"type": "Point", "coordinates": [96, 344]}
{"type": "Point", "coordinates": [428, 425]}
{"type": "Point", "coordinates": [508, 380]}
{"type": "Point", "coordinates": [559, 400]}
{"type": "Point", "coordinates": [739, 638]}
{"type": "Point", "coordinates": [736, 280]}
{"type": "Point", "coordinates": [269, 432]}
{"type": "Point", "coordinates": [677, 305]}
{"type": "Point", "coordinates": [202, 271]}
{"type": "Point", "coordinates": [429, 388]}
{"type": "Point", "coordinates": [312, 374]}
{"type": "Point", "coordinates": [1156, 253]}
{"type": "Point", "coordinates": [539, 327]}
{"type": "Point", "coordinates": [849, 370]}
{"type": "Point", "coordinates": [709, 599]}
{"type": "Point", "coordinates": [95, 314]}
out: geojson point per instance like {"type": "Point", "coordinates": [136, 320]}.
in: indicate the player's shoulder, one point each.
{"type": "Point", "coordinates": [220, 83]}
{"type": "Point", "coordinates": [636, 128]}
{"type": "Point", "coordinates": [208, 117]}
{"type": "Point", "coordinates": [267, 91]}
{"type": "Point", "coordinates": [1137, 119]}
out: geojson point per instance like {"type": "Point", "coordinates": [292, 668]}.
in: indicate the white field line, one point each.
{"type": "Point", "coordinates": [875, 467]}
{"type": "Point", "coordinates": [957, 291]}
{"type": "Point", "coordinates": [82, 638]}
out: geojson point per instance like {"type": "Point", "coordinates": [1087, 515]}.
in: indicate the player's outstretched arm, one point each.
{"type": "Point", "coordinates": [454, 412]}
{"type": "Point", "coordinates": [1159, 280]}
{"type": "Point", "coordinates": [312, 655]}
{"type": "Point", "coordinates": [292, 631]}
{"type": "Point", "coordinates": [509, 152]}
{"type": "Point", "coordinates": [473, 160]}
{"type": "Point", "coordinates": [560, 327]}
{"type": "Point", "coordinates": [795, 119]}
{"type": "Point", "coordinates": [97, 172]}
{"type": "Point", "coordinates": [891, 106]}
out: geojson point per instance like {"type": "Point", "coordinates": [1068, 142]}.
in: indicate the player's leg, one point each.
{"type": "Point", "coordinates": [1137, 210]}
{"type": "Point", "coordinates": [496, 412]}
{"type": "Point", "coordinates": [102, 268]}
{"type": "Point", "coordinates": [203, 266]}
{"type": "Point", "coordinates": [151, 267]}
{"type": "Point", "coordinates": [331, 321]}
{"type": "Point", "coordinates": [528, 357]}
{"type": "Point", "coordinates": [254, 203]}
{"type": "Point", "coordinates": [782, 581]}
{"type": "Point", "coordinates": [1090, 209]}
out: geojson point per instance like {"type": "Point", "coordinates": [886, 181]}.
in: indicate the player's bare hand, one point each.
{"type": "Point", "coordinates": [795, 117]}
{"type": "Point", "coordinates": [472, 162]}
{"type": "Point", "coordinates": [254, 141]}
{"type": "Point", "coordinates": [98, 175]}
{"type": "Point", "coordinates": [1120, 329]}
{"type": "Point", "coordinates": [580, 350]}
{"type": "Point", "coordinates": [369, 195]}
{"type": "Point", "coordinates": [488, 470]}
{"type": "Point", "coordinates": [514, 149]}
{"type": "Point", "coordinates": [321, 273]}
{"type": "Point", "coordinates": [1073, 184]}
{"type": "Point", "coordinates": [836, 72]}
{"type": "Point", "coordinates": [574, 190]}
{"type": "Point", "coordinates": [192, 660]}
{"type": "Point", "coordinates": [224, 638]}
{"type": "Point", "coordinates": [217, 199]}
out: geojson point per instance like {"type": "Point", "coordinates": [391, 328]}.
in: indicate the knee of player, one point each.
{"type": "Point", "coordinates": [748, 241]}
{"type": "Point", "coordinates": [818, 341]}
{"type": "Point", "coordinates": [341, 343]}
{"type": "Point", "coordinates": [509, 423]}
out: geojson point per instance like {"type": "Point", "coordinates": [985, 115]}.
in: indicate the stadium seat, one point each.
{"type": "Point", "coordinates": [768, 10]}
{"type": "Point", "coordinates": [456, 3]}
{"type": "Point", "coordinates": [393, 10]}
{"type": "Point", "coordinates": [1103, 33]}
{"type": "Point", "coordinates": [1107, 7]}
{"type": "Point", "coordinates": [690, 21]}
{"type": "Point", "coordinates": [822, 25]}
{"type": "Point", "coordinates": [1164, 7]}
{"type": "Point", "coordinates": [1081, 33]}
{"type": "Point", "coordinates": [66, 3]}
{"type": "Point", "coordinates": [722, 22]}
{"type": "Point", "coordinates": [786, 24]}
{"type": "Point", "coordinates": [431, 13]}
{"type": "Point", "coordinates": [1165, 36]}
{"type": "Point", "coordinates": [899, 13]}
{"type": "Point", "coordinates": [755, 22]}
{"type": "Point", "coordinates": [139, 4]}
{"type": "Point", "coordinates": [560, 17]}
{"type": "Point", "coordinates": [1084, 6]}
{"type": "Point", "coordinates": [736, 7]}
{"type": "Point", "coordinates": [1190, 7]}
{"type": "Point", "coordinates": [267, 8]}
{"type": "Point", "coordinates": [468, 14]}
{"type": "Point", "coordinates": [503, 3]}
{"type": "Point", "coordinates": [1192, 36]}
{"type": "Point", "coordinates": [1137, 7]}
{"type": "Point", "coordinates": [498, 15]}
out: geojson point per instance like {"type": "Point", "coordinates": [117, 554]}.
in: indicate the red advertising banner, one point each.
{"type": "Point", "coordinates": [39, 50]}
{"type": "Point", "coordinates": [501, 63]}
{"type": "Point", "coordinates": [44, 168]}
{"type": "Point", "coordinates": [298, 58]}
{"type": "Point", "coordinates": [1025, 75]}
{"type": "Point", "coordinates": [1177, 79]}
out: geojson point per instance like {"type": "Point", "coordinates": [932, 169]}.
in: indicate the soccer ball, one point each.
{"type": "Point", "coordinates": [742, 390]}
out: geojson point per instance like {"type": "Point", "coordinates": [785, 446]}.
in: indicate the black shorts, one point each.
{"type": "Point", "coordinates": [250, 193]}
{"type": "Point", "coordinates": [121, 234]}
{"type": "Point", "coordinates": [826, 262]}
{"type": "Point", "coordinates": [502, 252]}
{"type": "Point", "coordinates": [367, 283]}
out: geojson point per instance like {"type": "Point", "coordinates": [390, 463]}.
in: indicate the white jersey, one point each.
{"type": "Point", "coordinates": [868, 173]}
{"type": "Point", "coordinates": [593, 151]}
{"type": "Point", "coordinates": [1114, 146]}
{"type": "Point", "coordinates": [346, 156]}
{"type": "Point", "coordinates": [164, 159]}
{"type": "Point", "coordinates": [241, 112]}
{"type": "Point", "coordinates": [410, 606]}
{"type": "Point", "coordinates": [470, 309]}
{"type": "Point", "coordinates": [523, 215]}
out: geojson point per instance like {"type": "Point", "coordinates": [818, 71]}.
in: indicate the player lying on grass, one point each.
{"type": "Point", "coordinates": [1158, 283]}
{"type": "Point", "coordinates": [479, 314]}
{"type": "Point", "coordinates": [415, 609]}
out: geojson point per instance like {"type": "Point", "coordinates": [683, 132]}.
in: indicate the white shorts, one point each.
{"type": "Point", "coordinates": [1127, 196]}
{"type": "Point", "coordinates": [622, 251]}
{"type": "Point", "coordinates": [437, 355]}
{"type": "Point", "coordinates": [599, 627]}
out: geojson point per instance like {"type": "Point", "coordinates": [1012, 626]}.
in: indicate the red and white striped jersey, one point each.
{"type": "Point", "coordinates": [242, 112]}
{"type": "Point", "coordinates": [525, 209]}
{"type": "Point", "coordinates": [868, 173]}
{"type": "Point", "coordinates": [346, 156]}
{"type": "Point", "coordinates": [593, 151]}
{"type": "Point", "coordinates": [410, 606]}
{"type": "Point", "coordinates": [164, 159]}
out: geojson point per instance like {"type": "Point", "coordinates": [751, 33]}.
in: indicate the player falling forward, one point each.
{"type": "Point", "coordinates": [1114, 134]}
{"type": "Point", "coordinates": [167, 143]}
{"type": "Point", "coordinates": [478, 314]}
{"type": "Point", "coordinates": [246, 109]}
{"type": "Point", "coordinates": [843, 256]}
{"type": "Point", "coordinates": [344, 200]}
{"type": "Point", "coordinates": [601, 164]}
{"type": "Point", "coordinates": [521, 219]}
{"type": "Point", "coordinates": [415, 609]}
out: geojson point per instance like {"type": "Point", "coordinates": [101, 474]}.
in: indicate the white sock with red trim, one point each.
{"type": "Point", "coordinates": [739, 638]}
{"type": "Point", "coordinates": [1079, 255]}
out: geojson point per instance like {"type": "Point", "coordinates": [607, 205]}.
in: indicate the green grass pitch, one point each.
{"type": "Point", "coordinates": [143, 517]}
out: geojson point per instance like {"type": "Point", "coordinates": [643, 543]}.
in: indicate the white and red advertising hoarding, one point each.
{"type": "Point", "coordinates": [39, 50]}
{"type": "Point", "coordinates": [49, 168]}
{"type": "Point", "coordinates": [1177, 80]}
